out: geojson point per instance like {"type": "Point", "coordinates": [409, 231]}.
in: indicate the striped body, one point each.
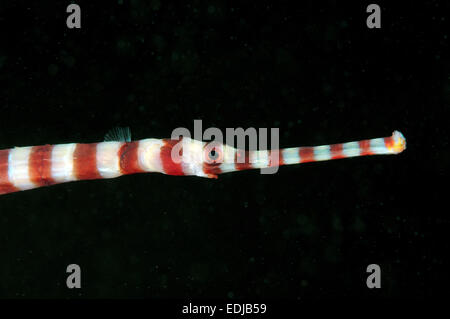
{"type": "Point", "coordinates": [24, 168]}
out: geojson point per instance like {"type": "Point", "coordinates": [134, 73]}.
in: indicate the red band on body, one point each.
{"type": "Point", "coordinates": [129, 160]}
{"type": "Point", "coordinates": [85, 161]}
{"type": "Point", "coordinates": [364, 147]}
{"type": "Point", "coordinates": [336, 151]}
{"type": "Point", "coordinates": [306, 154]}
{"type": "Point", "coordinates": [170, 166]}
{"type": "Point", "coordinates": [40, 165]}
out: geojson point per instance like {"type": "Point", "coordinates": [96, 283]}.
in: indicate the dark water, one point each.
{"type": "Point", "coordinates": [314, 70]}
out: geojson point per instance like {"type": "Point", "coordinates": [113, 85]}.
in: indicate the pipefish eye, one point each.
{"type": "Point", "coordinates": [213, 154]}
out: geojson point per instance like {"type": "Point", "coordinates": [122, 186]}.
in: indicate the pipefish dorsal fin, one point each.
{"type": "Point", "coordinates": [118, 134]}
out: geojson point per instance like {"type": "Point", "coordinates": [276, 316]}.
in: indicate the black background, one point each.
{"type": "Point", "coordinates": [311, 68]}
